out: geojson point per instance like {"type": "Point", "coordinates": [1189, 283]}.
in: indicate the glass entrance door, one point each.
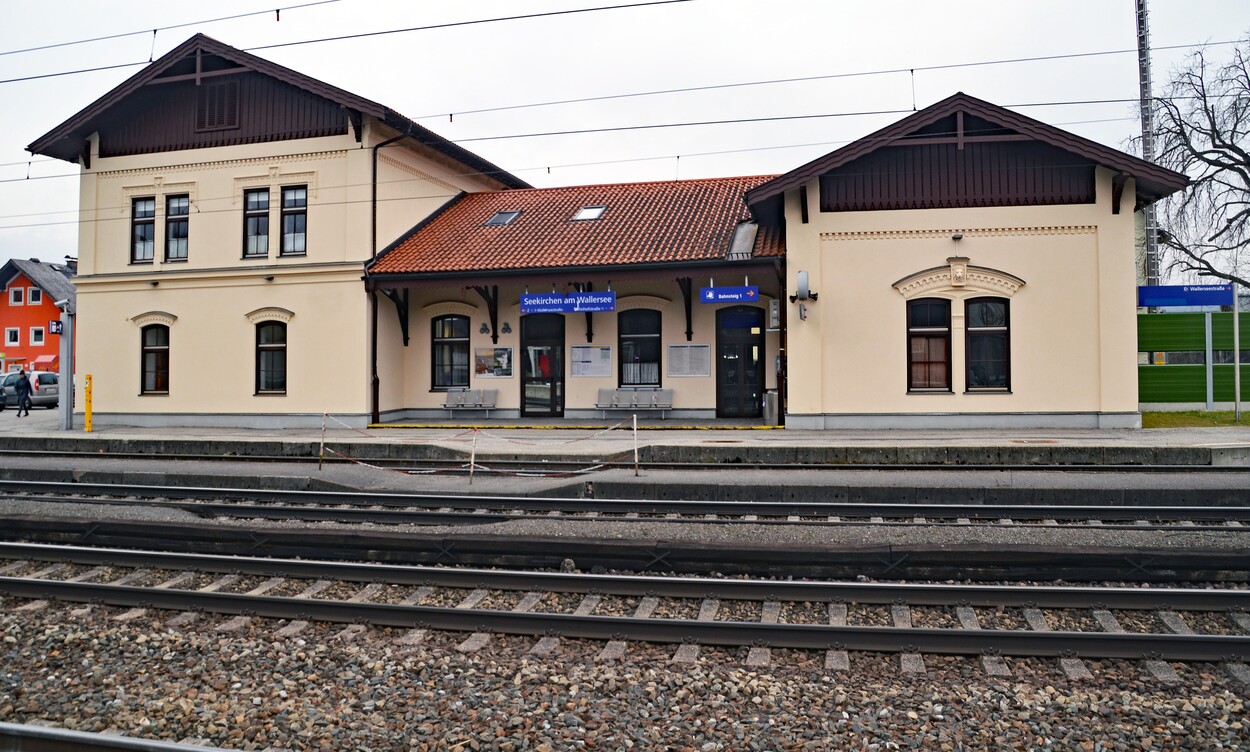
{"type": "Point", "coordinates": [739, 362]}
{"type": "Point", "coordinates": [542, 365]}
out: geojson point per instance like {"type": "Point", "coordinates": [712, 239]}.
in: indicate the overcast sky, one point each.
{"type": "Point", "coordinates": [429, 74]}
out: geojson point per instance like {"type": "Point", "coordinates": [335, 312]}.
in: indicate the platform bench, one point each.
{"type": "Point", "coordinates": [470, 399]}
{"type": "Point", "coordinates": [635, 400]}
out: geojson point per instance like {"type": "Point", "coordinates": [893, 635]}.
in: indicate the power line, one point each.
{"type": "Point", "coordinates": [275, 11]}
{"type": "Point", "coordinates": [367, 34]}
{"type": "Point", "coordinates": [198, 210]}
{"type": "Point", "coordinates": [826, 77]}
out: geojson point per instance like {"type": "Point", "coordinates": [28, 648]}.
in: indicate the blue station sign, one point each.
{"type": "Point", "coordinates": [729, 294]}
{"type": "Point", "coordinates": [574, 302]}
{"type": "Point", "coordinates": [1164, 296]}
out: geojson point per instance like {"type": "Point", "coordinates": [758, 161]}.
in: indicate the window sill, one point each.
{"type": "Point", "coordinates": [987, 391]}
{"type": "Point", "coordinates": [269, 394]}
{"type": "Point", "coordinates": [930, 391]}
{"type": "Point", "coordinates": [256, 257]}
{"type": "Point", "coordinates": [441, 389]}
{"type": "Point", "coordinates": [154, 394]}
{"type": "Point", "coordinates": [292, 255]}
{"type": "Point", "coordinates": [148, 262]}
{"type": "Point", "coordinates": [175, 261]}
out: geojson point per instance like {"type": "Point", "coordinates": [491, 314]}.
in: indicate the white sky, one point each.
{"type": "Point", "coordinates": [427, 74]}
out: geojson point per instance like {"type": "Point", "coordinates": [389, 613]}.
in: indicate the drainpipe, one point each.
{"type": "Point", "coordinates": [375, 380]}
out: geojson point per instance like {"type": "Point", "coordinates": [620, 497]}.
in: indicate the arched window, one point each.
{"type": "Point", "coordinates": [638, 337]}
{"type": "Point", "coordinates": [271, 357]}
{"type": "Point", "coordinates": [449, 353]}
{"type": "Point", "coordinates": [929, 345]}
{"type": "Point", "coordinates": [155, 359]}
{"type": "Point", "coordinates": [988, 344]}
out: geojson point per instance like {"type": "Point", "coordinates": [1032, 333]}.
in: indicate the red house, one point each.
{"type": "Point", "coordinates": [31, 291]}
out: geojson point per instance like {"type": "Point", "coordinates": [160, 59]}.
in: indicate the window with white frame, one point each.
{"type": "Point", "coordinates": [12, 336]}
{"type": "Point", "coordinates": [17, 296]}
{"type": "Point", "coordinates": [34, 296]}
{"type": "Point", "coordinates": [36, 336]}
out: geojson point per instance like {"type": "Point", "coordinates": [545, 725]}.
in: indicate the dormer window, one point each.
{"type": "Point", "coordinates": [589, 212]}
{"type": "Point", "coordinates": [502, 218]}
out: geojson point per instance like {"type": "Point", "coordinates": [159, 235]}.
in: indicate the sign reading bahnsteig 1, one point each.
{"type": "Point", "coordinates": [574, 302]}
{"type": "Point", "coordinates": [729, 294]}
{"type": "Point", "coordinates": [1163, 296]}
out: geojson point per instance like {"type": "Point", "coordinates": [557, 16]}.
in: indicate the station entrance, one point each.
{"type": "Point", "coordinates": [542, 365]}
{"type": "Point", "coordinates": [739, 362]}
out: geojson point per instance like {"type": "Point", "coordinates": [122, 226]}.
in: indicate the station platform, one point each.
{"type": "Point", "coordinates": [743, 442]}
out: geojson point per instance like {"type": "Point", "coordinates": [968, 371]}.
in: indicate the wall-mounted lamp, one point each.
{"type": "Point", "coordinates": [506, 328]}
{"type": "Point", "coordinates": [154, 282]}
{"type": "Point", "coordinates": [802, 292]}
{"type": "Point", "coordinates": [268, 278]}
{"type": "Point", "coordinates": [957, 237]}
{"type": "Point", "coordinates": [484, 329]}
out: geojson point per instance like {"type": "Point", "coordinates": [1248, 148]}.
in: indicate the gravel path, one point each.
{"type": "Point", "coordinates": [336, 688]}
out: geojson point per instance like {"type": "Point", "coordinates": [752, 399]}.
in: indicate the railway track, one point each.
{"type": "Point", "coordinates": [1019, 619]}
{"type": "Point", "coordinates": [458, 510]}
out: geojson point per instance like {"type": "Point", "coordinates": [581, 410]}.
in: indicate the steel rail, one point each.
{"type": "Point", "coordinates": [642, 506]}
{"type": "Point", "coordinates": [1187, 647]}
{"type": "Point", "coordinates": [918, 594]}
{"type": "Point", "coordinates": [539, 463]}
{"type": "Point", "coordinates": [19, 738]}
{"type": "Point", "coordinates": [759, 514]}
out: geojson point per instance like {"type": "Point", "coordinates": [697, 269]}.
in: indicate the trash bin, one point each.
{"type": "Point", "coordinates": [770, 407]}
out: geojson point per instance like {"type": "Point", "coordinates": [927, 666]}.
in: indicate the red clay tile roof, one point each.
{"type": "Point", "coordinates": [645, 223]}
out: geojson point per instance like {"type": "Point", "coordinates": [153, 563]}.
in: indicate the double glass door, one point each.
{"type": "Point", "coordinates": [542, 365]}
{"type": "Point", "coordinates": [739, 362]}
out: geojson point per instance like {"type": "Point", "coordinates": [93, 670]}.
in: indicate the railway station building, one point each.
{"type": "Point", "coordinates": [259, 248]}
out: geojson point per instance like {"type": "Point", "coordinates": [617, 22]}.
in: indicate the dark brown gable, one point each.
{"type": "Point", "coordinates": [223, 110]}
{"type": "Point", "coordinates": [926, 175]}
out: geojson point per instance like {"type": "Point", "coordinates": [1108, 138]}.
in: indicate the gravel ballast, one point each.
{"type": "Point", "coordinates": [330, 688]}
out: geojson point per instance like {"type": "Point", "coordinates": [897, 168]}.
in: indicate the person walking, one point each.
{"type": "Point", "coordinates": [22, 387]}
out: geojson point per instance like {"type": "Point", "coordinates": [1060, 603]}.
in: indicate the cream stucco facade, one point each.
{"type": "Point", "coordinates": [1067, 272]}
{"type": "Point", "coordinates": [213, 301]}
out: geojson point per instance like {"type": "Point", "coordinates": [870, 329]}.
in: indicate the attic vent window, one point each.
{"type": "Point", "coordinates": [743, 244]}
{"type": "Point", "coordinates": [217, 106]}
{"type": "Point", "coordinates": [502, 218]}
{"type": "Point", "coordinates": [589, 212]}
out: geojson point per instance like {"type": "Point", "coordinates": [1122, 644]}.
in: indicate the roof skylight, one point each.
{"type": "Point", "coordinates": [502, 218]}
{"type": "Point", "coordinates": [589, 212]}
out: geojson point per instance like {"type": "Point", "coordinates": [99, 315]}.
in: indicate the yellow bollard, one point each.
{"type": "Point", "coordinates": [86, 393]}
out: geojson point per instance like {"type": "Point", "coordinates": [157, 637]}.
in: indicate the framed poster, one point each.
{"type": "Point", "coordinates": [590, 360]}
{"type": "Point", "coordinates": [492, 362]}
{"type": "Point", "coordinates": [689, 360]}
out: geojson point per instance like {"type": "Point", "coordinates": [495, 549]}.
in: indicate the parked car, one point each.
{"type": "Point", "coordinates": [45, 393]}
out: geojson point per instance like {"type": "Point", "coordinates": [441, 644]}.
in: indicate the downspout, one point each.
{"type": "Point", "coordinates": [375, 380]}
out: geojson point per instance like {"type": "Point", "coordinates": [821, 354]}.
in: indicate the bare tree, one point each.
{"type": "Point", "coordinates": [1203, 130]}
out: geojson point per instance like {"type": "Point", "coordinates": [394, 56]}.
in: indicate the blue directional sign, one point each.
{"type": "Point", "coordinates": [1164, 296]}
{"type": "Point", "coordinates": [574, 302]}
{"type": "Point", "coordinates": [729, 294]}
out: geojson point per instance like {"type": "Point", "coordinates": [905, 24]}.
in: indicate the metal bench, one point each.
{"type": "Point", "coordinates": [470, 399]}
{"type": "Point", "coordinates": [635, 400]}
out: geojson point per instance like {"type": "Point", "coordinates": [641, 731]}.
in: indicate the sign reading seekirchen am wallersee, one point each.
{"type": "Point", "coordinates": [729, 294]}
{"type": "Point", "coordinates": [574, 302]}
{"type": "Point", "coordinates": [1163, 296]}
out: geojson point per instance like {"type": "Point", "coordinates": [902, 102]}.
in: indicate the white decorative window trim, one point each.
{"type": "Point", "coordinates": [37, 336]}
{"type": "Point", "coordinates": [449, 307]}
{"type": "Point", "coordinates": [271, 313]}
{"type": "Point", "coordinates": [12, 336]}
{"type": "Point", "coordinates": [17, 296]}
{"type": "Point", "coordinates": [958, 276]}
{"type": "Point", "coordinates": [158, 187]}
{"type": "Point", "coordinates": [632, 302]}
{"type": "Point", "coordinates": [32, 293]}
{"type": "Point", "coordinates": [154, 317]}
{"type": "Point", "coordinates": [273, 179]}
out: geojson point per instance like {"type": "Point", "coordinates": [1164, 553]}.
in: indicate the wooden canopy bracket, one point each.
{"type": "Point", "coordinates": [491, 296]}
{"type": "Point", "coordinates": [400, 299]}
{"type": "Point", "coordinates": [358, 124]}
{"type": "Point", "coordinates": [590, 324]}
{"type": "Point", "coordinates": [1117, 191]}
{"type": "Point", "coordinates": [684, 284]}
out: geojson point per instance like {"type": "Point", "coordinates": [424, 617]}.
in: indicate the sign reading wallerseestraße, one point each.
{"type": "Point", "coordinates": [1163, 296]}
{"type": "Point", "coordinates": [574, 302]}
{"type": "Point", "coordinates": [729, 294]}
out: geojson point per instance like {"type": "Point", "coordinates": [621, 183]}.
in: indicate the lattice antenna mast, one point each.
{"type": "Point", "coordinates": [1147, 135]}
